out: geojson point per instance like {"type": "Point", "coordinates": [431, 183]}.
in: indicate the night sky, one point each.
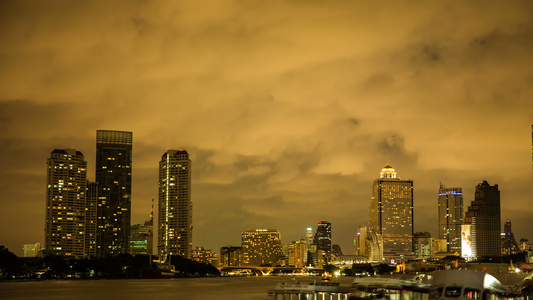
{"type": "Point", "coordinates": [288, 109]}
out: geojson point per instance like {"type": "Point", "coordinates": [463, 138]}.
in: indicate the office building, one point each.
{"type": "Point", "coordinates": [482, 224]}
{"type": "Point", "coordinates": [322, 240]}
{"type": "Point", "coordinates": [91, 219]}
{"type": "Point", "coordinates": [230, 256]}
{"type": "Point", "coordinates": [423, 245]}
{"type": "Point", "coordinates": [65, 203]}
{"type": "Point", "coordinates": [391, 214]}
{"type": "Point", "coordinates": [368, 245]}
{"type": "Point", "coordinates": [261, 247]}
{"type": "Point", "coordinates": [509, 244]}
{"type": "Point", "coordinates": [200, 254]}
{"type": "Point", "coordinates": [175, 205]}
{"type": "Point", "coordinates": [113, 175]}
{"type": "Point", "coordinates": [297, 253]}
{"type": "Point", "coordinates": [450, 217]}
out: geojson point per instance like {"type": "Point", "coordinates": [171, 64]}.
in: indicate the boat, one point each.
{"type": "Point", "coordinates": [393, 288]}
{"type": "Point", "coordinates": [295, 290]}
{"type": "Point", "coordinates": [467, 284]}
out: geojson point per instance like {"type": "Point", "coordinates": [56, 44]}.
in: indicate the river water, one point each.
{"type": "Point", "coordinates": [157, 289]}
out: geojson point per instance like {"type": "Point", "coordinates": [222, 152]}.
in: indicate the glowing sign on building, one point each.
{"type": "Point", "coordinates": [466, 241]}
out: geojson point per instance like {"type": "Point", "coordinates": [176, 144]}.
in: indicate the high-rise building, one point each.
{"type": "Point", "coordinates": [261, 247]}
{"type": "Point", "coordinates": [297, 253]}
{"type": "Point", "coordinates": [391, 214]}
{"type": "Point", "coordinates": [368, 245]}
{"type": "Point", "coordinates": [322, 239]}
{"type": "Point", "coordinates": [113, 175]}
{"type": "Point", "coordinates": [91, 218]}
{"type": "Point", "coordinates": [450, 217]}
{"type": "Point", "coordinates": [65, 203]}
{"type": "Point", "coordinates": [509, 244]}
{"type": "Point", "coordinates": [175, 205]}
{"type": "Point", "coordinates": [482, 223]}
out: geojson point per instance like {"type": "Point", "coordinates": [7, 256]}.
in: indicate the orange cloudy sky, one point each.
{"type": "Point", "coordinates": [289, 109]}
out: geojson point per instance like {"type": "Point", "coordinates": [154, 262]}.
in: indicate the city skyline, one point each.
{"type": "Point", "coordinates": [288, 110]}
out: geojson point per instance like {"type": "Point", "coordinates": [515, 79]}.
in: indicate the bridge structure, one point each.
{"type": "Point", "coordinates": [260, 270]}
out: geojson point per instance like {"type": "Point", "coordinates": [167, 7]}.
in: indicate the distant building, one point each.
{"type": "Point", "coordinates": [336, 250]}
{"type": "Point", "coordinates": [200, 254]}
{"type": "Point", "coordinates": [369, 246]}
{"type": "Point", "coordinates": [450, 217]}
{"type": "Point", "coordinates": [142, 236]}
{"type": "Point", "coordinates": [230, 256]}
{"type": "Point", "coordinates": [297, 253]}
{"type": "Point", "coordinates": [509, 245]}
{"type": "Point", "coordinates": [65, 203]}
{"type": "Point", "coordinates": [524, 245]}
{"type": "Point", "coordinates": [391, 214]}
{"type": "Point", "coordinates": [322, 239]}
{"type": "Point", "coordinates": [175, 205]}
{"type": "Point", "coordinates": [113, 175]}
{"type": "Point", "coordinates": [261, 247]}
{"type": "Point", "coordinates": [31, 250]}
{"type": "Point", "coordinates": [91, 219]}
{"type": "Point", "coordinates": [423, 244]}
{"type": "Point", "coordinates": [481, 232]}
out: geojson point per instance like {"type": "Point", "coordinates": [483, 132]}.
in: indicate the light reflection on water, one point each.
{"type": "Point", "coordinates": [160, 289]}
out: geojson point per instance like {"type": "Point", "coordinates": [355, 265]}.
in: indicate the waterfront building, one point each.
{"type": "Point", "coordinates": [297, 253]}
{"type": "Point", "coordinates": [200, 254]}
{"type": "Point", "coordinates": [482, 224]}
{"type": "Point", "coordinates": [450, 217]}
{"type": "Point", "coordinates": [509, 244]}
{"type": "Point", "coordinates": [91, 219]}
{"type": "Point", "coordinates": [261, 247]}
{"type": "Point", "coordinates": [31, 250]}
{"type": "Point", "coordinates": [175, 205]}
{"type": "Point", "coordinates": [230, 256]}
{"type": "Point", "coordinates": [322, 239]}
{"type": "Point", "coordinates": [65, 203]}
{"type": "Point", "coordinates": [142, 236]}
{"type": "Point", "coordinates": [391, 214]}
{"type": "Point", "coordinates": [113, 175]}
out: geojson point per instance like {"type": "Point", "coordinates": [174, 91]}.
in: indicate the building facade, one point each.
{"type": "Point", "coordinates": [91, 218]}
{"type": "Point", "coordinates": [113, 175]}
{"type": "Point", "coordinates": [391, 214]}
{"type": "Point", "coordinates": [261, 247]}
{"type": "Point", "coordinates": [175, 205]}
{"type": "Point", "coordinates": [509, 244]}
{"type": "Point", "coordinates": [230, 256]}
{"type": "Point", "coordinates": [297, 254]}
{"type": "Point", "coordinates": [31, 250]}
{"type": "Point", "coordinates": [482, 223]}
{"type": "Point", "coordinates": [450, 217]}
{"type": "Point", "coordinates": [65, 203]}
{"type": "Point", "coordinates": [322, 239]}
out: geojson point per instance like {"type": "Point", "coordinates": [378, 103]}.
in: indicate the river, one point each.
{"type": "Point", "coordinates": [160, 289]}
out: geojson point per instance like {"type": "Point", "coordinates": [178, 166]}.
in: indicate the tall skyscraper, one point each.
{"type": "Point", "coordinates": [323, 239]}
{"type": "Point", "coordinates": [65, 203]}
{"type": "Point", "coordinates": [450, 217]}
{"type": "Point", "coordinates": [261, 247]}
{"type": "Point", "coordinates": [509, 244]}
{"type": "Point", "coordinates": [91, 219]}
{"type": "Point", "coordinates": [391, 214]}
{"type": "Point", "coordinates": [175, 205]}
{"type": "Point", "coordinates": [297, 253]}
{"type": "Point", "coordinates": [113, 175]}
{"type": "Point", "coordinates": [483, 224]}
